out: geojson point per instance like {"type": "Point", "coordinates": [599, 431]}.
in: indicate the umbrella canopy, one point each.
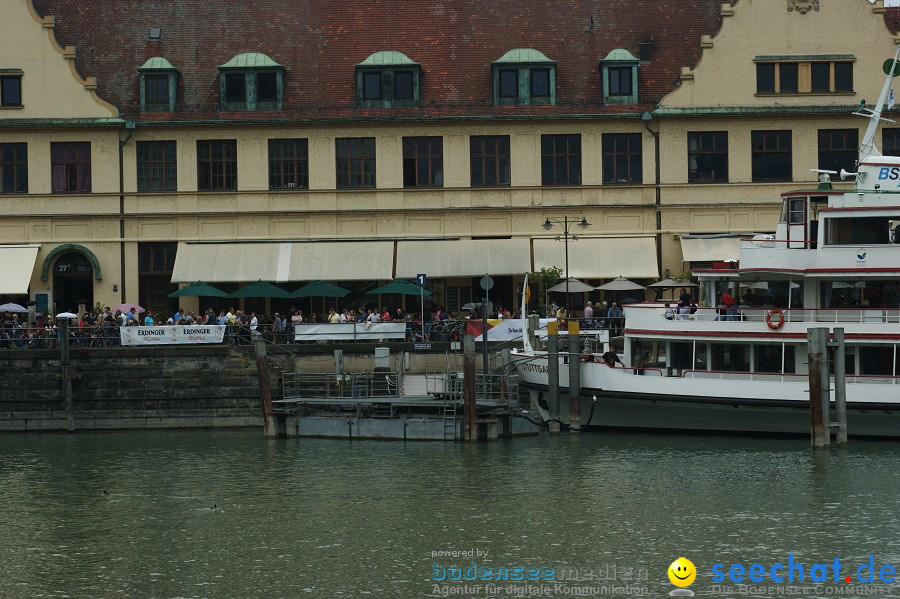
{"type": "Point", "coordinates": [574, 286]}
{"type": "Point", "coordinates": [260, 289]}
{"type": "Point", "coordinates": [320, 289]}
{"type": "Point", "coordinates": [665, 283]}
{"type": "Point", "coordinates": [66, 315]}
{"type": "Point", "coordinates": [401, 286]}
{"type": "Point", "coordinates": [620, 284]}
{"type": "Point", "coordinates": [12, 308]}
{"type": "Point", "coordinates": [126, 307]}
{"type": "Point", "coordinates": [199, 289]}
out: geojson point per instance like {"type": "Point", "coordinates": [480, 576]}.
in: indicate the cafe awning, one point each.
{"type": "Point", "coordinates": [16, 268]}
{"type": "Point", "coordinates": [285, 261]}
{"type": "Point", "coordinates": [718, 248]}
{"type": "Point", "coordinates": [600, 257]}
{"type": "Point", "coordinates": [463, 257]}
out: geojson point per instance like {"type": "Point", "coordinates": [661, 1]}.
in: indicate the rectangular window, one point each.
{"type": "Point", "coordinates": [403, 85]}
{"type": "Point", "coordinates": [787, 78]}
{"type": "Point", "coordinates": [372, 86]}
{"type": "Point", "coordinates": [620, 81]}
{"type": "Point", "coordinates": [509, 83]}
{"type": "Point", "coordinates": [707, 156]}
{"type": "Point", "coordinates": [765, 77]}
{"type": "Point", "coordinates": [540, 83]}
{"type": "Point", "coordinates": [235, 88]}
{"type": "Point", "coordinates": [890, 141]}
{"type": "Point", "coordinates": [217, 165]}
{"type": "Point", "coordinates": [266, 87]}
{"type": "Point", "coordinates": [156, 91]}
{"type": "Point", "coordinates": [288, 164]}
{"type": "Point", "coordinates": [11, 90]}
{"type": "Point", "coordinates": [838, 149]}
{"type": "Point", "coordinates": [843, 76]}
{"type": "Point", "coordinates": [355, 162]}
{"type": "Point", "coordinates": [622, 158]}
{"type": "Point", "coordinates": [561, 159]}
{"type": "Point", "coordinates": [489, 160]}
{"type": "Point", "coordinates": [70, 167]}
{"type": "Point", "coordinates": [14, 168]}
{"type": "Point", "coordinates": [771, 155]}
{"type": "Point", "coordinates": [821, 77]}
{"type": "Point", "coordinates": [156, 166]}
{"type": "Point", "coordinates": [423, 162]}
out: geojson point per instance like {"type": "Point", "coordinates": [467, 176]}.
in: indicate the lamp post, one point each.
{"type": "Point", "coordinates": [566, 223]}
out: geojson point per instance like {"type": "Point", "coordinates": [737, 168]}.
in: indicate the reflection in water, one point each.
{"type": "Point", "coordinates": [230, 514]}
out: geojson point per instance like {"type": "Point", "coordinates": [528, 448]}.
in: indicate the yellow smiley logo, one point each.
{"type": "Point", "coordinates": [682, 572]}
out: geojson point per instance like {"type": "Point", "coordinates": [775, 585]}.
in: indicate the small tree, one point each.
{"type": "Point", "coordinates": [546, 277]}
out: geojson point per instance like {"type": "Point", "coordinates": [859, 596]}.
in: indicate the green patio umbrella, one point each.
{"type": "Point", "coordinates": [199, 289]}
{"type": "Point", "coordinates": [260, 289]}
{"type": "Point", "coordinates": [400, 286]}
{"type": "Point", "coordinates": [320, 289]}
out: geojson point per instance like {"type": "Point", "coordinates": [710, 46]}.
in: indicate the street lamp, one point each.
{"type": "Point", "coordinates": [565, 222]}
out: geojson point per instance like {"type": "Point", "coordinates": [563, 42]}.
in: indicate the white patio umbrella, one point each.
{"type": "Point", "coordinates": [571, 286]}
{"type": "Point", "coordinates": [66, 315]}
{"type": "Point", "coordinates": [665, 283]}
{"type": "Point", "coordinates": [620, 284]}
{"type": "Point", "coordinates": [12, 308]}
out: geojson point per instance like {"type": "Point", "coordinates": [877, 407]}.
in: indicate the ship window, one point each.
{"type": "Point", "coordinates": [875, 230]}
{"type": "Point", "coordinates": [768, 358]}
{"type": "Point", "coordinates": [797, 212]}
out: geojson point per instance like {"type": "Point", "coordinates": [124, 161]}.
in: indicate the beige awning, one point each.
{"type": "Point", "coordinates": [342, 261]}
{"type": "Point", "coordinates": [463, 257]}
{"type": "Point", "coordinates": [600, 257]}
{"type": "Point", "coordinates": [16, 268]}
{"type": "Point", "coordinates": [281, 262]}
{"type": "Point", "coordinates": [710, 249]}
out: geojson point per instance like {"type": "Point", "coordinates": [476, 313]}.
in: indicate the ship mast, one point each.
{"type": "Point", "coordinates": [867, 149]}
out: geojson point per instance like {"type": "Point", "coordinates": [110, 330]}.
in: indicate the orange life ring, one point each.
{"type": "Point", "coordinates": [777, 324]}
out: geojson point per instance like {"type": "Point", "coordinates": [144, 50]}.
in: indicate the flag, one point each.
{"type": "Point", "coordinates": [891, 99]}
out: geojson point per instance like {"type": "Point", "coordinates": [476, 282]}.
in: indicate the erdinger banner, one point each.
{"type": "Point", "coordinates": [172, 335]}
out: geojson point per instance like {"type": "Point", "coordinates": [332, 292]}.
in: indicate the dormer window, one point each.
{"type": "Point", "coordinates": [251, 81]}
{"type": "Point", "coordinates": [388, 79]}
{"type": "Point", "coordinates": [619, 72]}
{"type": "Point", "coordinates": [524, 77]}
{"type": "Point", "coordinates": [158, 81]}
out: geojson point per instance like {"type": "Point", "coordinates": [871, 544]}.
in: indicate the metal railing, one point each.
{"type": "Point", "coordinates": [794, 315]}
{"type": "Point", "coordinates": [781, 378]}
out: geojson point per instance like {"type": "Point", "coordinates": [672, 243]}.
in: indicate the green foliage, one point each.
{"type": "Point", "coordinates": [547, 276]}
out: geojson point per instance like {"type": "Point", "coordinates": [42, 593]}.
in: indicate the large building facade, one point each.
{"type": "Point", "coordinates": [143, 145]}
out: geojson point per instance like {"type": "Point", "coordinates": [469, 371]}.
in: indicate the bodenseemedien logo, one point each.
{"type": "Point", "coordinates": [682, 573]}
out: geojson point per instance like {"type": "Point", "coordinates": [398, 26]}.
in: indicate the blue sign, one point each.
{"type": "Point", "coordinates": [420, 279]}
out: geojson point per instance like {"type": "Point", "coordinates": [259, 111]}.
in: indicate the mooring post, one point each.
{"type": "Point", "coordinates": [574, 378]}
{"type": "Point", "coordinates": [470, 409]}
{"type": "Point", "coordinates": [818, 413]}
{"type": "Point", "coordinates": [840, 387]}
{"type": "Point", "coordinates": [66, 364]}
{"type": "Point", "coordinates": [265, 389]}
{"type": "Point", "coordinates": [553, 375]}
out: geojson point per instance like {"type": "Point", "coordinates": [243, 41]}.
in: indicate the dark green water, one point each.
{"type": "Point", "coordinates": [304, 518]}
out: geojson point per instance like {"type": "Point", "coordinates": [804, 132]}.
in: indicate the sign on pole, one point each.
{"type": "Point", "coordinates": [420, 278]}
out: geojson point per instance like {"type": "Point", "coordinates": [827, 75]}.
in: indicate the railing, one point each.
{"type": "Point", "coordinates": [791, 315]}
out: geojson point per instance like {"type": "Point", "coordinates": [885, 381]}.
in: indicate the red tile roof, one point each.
{"type": "Point", "coordinates": [320, 41]}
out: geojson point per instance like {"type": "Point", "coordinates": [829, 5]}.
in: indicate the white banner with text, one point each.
{"type": "Point", "coordinates": [172, 335]}
{"type": "Point", "coordinates": [350, 331]}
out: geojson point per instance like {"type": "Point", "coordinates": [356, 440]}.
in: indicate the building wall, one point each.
{"type": "Point", "coordinates": [717, 95]}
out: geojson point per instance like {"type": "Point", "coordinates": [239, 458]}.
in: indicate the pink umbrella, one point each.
{"type": "Point", "coordinates": [126, 307]}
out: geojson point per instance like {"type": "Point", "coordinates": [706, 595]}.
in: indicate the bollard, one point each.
{"type": "Point", "coordinates": [574, 378]}
{"type": "Point", "coordinates": [553, 375]}
{"type": "Point", "coordinates": [818, 370]}
{"type": "Point", "coordinates": [840, 387]}
{"type": "Point", "coordinates": [470, 408]}
{"type": "Point", "coordinates": [66, 363]}
{"type": "Point", "coordinates": [265, 390]}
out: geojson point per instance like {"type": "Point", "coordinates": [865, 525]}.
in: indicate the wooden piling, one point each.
{"type": "Point", "coordinates": [265, 389]}
{"type": "Point", "coordinates": [574, 378]}
{"type": "Point", "coordinates": [66, 365]}
{"type": "Point", "coordinates": [470, 408]}
{"type": "Point", "coordinates": [818, 412]}
{"type": "Point", "coordinates": [840, 387]}
{"type": "Point", "coordinates": [553, 375]}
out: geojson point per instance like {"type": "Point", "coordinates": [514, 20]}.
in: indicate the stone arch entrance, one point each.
{"type": "Point", "coordinates": [73, 282]}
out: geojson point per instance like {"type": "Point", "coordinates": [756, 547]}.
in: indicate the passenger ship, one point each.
{"type": "Point", "coordinates": [834, 261]}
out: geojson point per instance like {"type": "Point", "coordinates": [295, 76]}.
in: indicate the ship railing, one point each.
{"type": "Point", "coordinates": [791, 315]}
